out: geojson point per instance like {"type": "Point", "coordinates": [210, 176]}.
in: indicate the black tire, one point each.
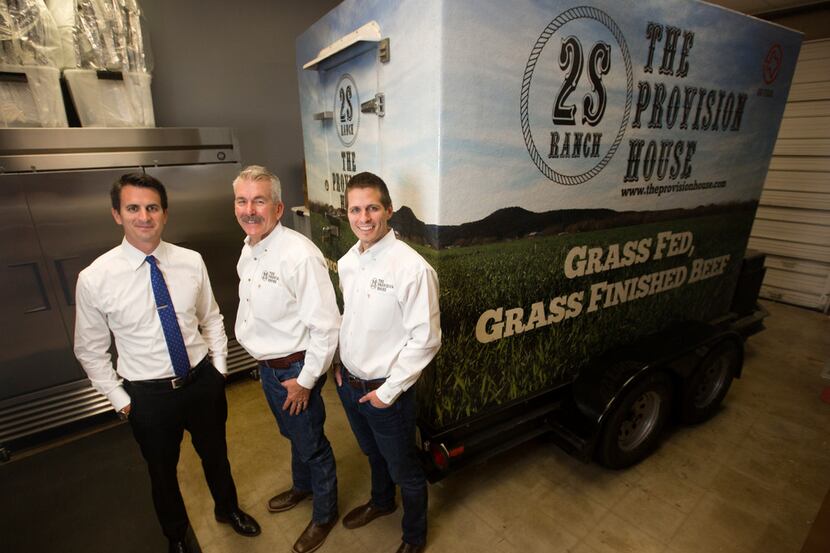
{"type": "Point", "coordinates": [635, 426]}
{"type": "Point", "coordinates": [704, 390]}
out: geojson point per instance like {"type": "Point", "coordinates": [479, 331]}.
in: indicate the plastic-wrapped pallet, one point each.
{"type": "Point", "coordinates": [63, 11]}
{"type": "Point", "coordinates": [107, 61]}
{"type": "Point", "coordinates": [111, 99]}
{"type": "Point", "coordinates": [30, 93]}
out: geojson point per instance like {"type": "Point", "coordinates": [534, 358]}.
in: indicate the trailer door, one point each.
{"type": "Point", "coordinates": [351, 106]}
{"type": "Point", "coordinates": [352, 91]}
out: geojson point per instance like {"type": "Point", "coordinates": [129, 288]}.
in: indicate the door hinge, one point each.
{"type": "Point", "coordinates": [383, 51]}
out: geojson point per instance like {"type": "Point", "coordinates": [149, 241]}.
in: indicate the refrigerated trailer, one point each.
{"type": "Point", "coordinates": [583, 176]}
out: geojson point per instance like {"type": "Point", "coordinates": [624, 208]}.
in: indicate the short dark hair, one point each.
{"type": "Point", "coordinates": [137, 179]}
{"type": "Point", "coordinates": [370, 180]}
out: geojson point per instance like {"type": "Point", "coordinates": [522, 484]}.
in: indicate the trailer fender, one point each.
{"type": "Point", "coordinates": [598, 388]}
{"type": "Point", "coordinates": [685, 364]}
{"type": "Point", "coordinates": [677, 351]}
{"type": "Point", "coordinates": [703, 390]}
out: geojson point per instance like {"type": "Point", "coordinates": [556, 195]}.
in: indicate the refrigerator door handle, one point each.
{"type": "Point", "coordinates": [67, 293]}
{"type": "Point", "coordinates": [45, 306]}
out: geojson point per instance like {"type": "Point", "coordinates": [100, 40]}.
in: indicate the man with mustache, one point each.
{"type": "Point", "coordinates": [156, 300]}
{"type": "Point", "coordinates": [288, 321]}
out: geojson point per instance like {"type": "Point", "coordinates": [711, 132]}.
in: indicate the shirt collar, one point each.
{"type": "Point", "coordinates": [379, 247]}
{"type": "Point", "coordinates": [136, 257]}
{"type": "Point", "coordinates": [266, 242]}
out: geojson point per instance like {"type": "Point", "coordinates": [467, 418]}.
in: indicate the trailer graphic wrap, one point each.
{"type": "Point", "coordinates": [579, 174]}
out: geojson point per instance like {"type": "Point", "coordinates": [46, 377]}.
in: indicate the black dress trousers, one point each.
{"type": "Point", "coordinates": [159, 415]}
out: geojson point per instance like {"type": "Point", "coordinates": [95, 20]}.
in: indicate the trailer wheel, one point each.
{"type": "Point", "coordinates": [705, 389]}
{"type": "Point", "coordinates": [635, 427]}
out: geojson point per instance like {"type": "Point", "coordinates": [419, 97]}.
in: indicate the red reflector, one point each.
{"type": "Point", "coordinates": [440, 456]}
{"type": "Point", "coordinates": [457, 451]}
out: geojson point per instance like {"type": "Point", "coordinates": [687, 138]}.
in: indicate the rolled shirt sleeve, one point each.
{"type": "Point", "coordinates": [92, 343]}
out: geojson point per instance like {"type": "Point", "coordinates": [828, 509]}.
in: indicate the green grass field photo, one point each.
{"type": "Point", "coordinates": [469, 377]}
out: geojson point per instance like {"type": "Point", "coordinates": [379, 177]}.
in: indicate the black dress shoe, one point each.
{"type": "Point", "coordinates": [188, 544]}
{"type": "Point", "coordinates": [241, 522]}
{"type": "Point", "coordinates": [313, 536]}
{"type": "Point", "coordinates": [182, 546]}
{"type": "Point", "coordinates": [409, 548]}
{"type": "Point", "coordinates": [363, 515]}
{"type": "Point", "coordinates": [286, 500]}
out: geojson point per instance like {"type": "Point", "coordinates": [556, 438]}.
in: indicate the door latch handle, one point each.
{"type": "Point", "coordinates": [64, 281]}
{"type": "Point", "coordinates": [376, 105]}
{"type": "Point", "coordinates": [45, 306]}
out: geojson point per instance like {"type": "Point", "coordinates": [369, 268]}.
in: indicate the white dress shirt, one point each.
{"type": "Point", "coordinates": [287, 302]}
{"type": "Point", "coordinates": [115, 294]}
{"type": "Point", "coordinates": [391, 321]}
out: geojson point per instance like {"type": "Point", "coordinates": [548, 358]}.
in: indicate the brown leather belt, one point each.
{"type": "Point", "coordinates": [284, 362]}
{"type": "Point", "coordinates": [365, 385]}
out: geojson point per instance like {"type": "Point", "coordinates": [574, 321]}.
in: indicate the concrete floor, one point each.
{"type": "Point", "coordinates": [750, 480]}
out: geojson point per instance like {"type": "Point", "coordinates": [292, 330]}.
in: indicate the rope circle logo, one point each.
{"type": "Point", "coordinates": [346, 110]}
{"type": "Point", "coordinates": [576, 95]}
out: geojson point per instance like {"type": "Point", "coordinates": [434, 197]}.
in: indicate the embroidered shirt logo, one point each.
{"type": "Point", "coordinates": [270, 276]}
{"type": "Point", "coordinates": [381, 285]}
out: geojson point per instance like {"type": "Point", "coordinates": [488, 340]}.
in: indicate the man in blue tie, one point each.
{"type": "Point", "coordinates": [156, 300]}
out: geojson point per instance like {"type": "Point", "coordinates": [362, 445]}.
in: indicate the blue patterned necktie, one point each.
{"type": "Point", "coordinates": [169, 324]}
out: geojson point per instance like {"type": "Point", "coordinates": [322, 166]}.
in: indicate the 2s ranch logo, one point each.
{"type": "Point", "coordinates": [576, 95]}
{"type": "Point", "coordinates": [346, 110]}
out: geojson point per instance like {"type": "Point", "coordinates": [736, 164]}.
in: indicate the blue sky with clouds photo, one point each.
{"type": "Point", "coordinates": [451, 145]}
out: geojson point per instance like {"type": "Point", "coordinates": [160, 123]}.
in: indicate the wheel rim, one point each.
{"type": "Point", "coordinates": [713, 379]}
{"type": "Point", "coordinates": [642, 418]}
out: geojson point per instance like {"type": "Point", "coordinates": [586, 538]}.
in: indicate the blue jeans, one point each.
{"type": "Point", "coordinates": [312, 460]}
{"type": "Point", "coordinates": [387, 437]}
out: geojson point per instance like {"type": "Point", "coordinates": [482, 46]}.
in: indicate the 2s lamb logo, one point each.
{"type": "Point", "coordinates": [576, 95]}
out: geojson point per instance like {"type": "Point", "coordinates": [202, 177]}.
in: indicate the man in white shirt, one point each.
{"type": "Point", "coordinates": [391, 330]}
{"type": "Point", "coordinates": [153, 297]}
{"type": "Point", "coordinates": [288, 321]}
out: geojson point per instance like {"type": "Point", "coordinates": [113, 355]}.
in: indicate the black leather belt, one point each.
{"type": "Point", "coordinates": [365, 385]}
{"type": "Point", "coordinates": [284, 362]}
{"type": "Point", "coordinates": [174, 382]}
